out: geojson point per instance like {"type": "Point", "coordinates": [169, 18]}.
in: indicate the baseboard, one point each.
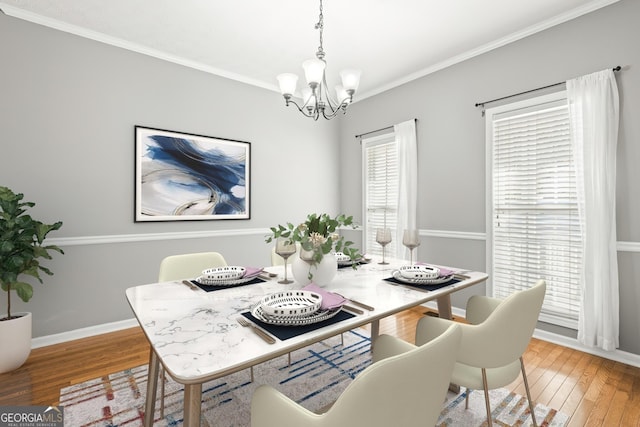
{"type": "Point", "coordinates": [617, 355]}
{"type": "Point", "coordinates": [83, 333]}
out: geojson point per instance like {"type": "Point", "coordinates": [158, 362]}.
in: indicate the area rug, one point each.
{"type": "Point", "coordinates": [508, 409]}
{"type": "Point", "coordinates": [316, 376]}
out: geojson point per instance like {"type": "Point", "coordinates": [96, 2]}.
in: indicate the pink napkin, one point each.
{"type": "Point", "coordinates": [443, 271]}
{"type": "Point", "coordinates": [330, 301]}
{"type": "Point", "coordinates": [252, 271]}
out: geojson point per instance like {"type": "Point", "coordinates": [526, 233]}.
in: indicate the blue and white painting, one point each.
{"type": "Point", "coordinates": [190, 177]}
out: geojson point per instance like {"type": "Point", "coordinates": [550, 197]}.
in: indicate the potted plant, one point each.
{"type": "Point", "coordinates": [317, 237]}
{"type": "Point", "coordinates": [21, 249]}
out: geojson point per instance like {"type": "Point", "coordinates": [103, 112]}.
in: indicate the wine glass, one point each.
{"type": "Point", "coordinates": [285, 248]}
{"type": "Point", "coordinates": [383, 237]}
{"type": "Point", "coordinates": [411, 240]}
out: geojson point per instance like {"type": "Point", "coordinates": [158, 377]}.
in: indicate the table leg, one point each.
{"type": "Point", "coordinates": [192, 404]}
{"type": "Point", "coordinates": [444, 311]}
{"type": "Point", "coordinates": [444, 307]}
{"type": "Point", "coordinates": [152, 384]}
{"type": "Point", "coordinates": [375, 331]}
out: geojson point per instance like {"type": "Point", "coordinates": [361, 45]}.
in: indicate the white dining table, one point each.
{"type": "Point", "coordinates": [196, 336]}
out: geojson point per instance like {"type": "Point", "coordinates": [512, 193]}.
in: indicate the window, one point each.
{"type": "Point", "coordinates": [380, 166]}
{"type": "Point", "coordinates": [532, 202]}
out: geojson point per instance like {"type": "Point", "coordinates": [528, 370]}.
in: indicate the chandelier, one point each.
{"type": "Point", "coordinates": [316, 97]}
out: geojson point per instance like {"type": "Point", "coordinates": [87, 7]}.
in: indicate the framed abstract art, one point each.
{"type": "Point", "coordinates": [181, 176]}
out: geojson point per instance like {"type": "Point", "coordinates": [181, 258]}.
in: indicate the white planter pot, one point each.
{"type": "Point", "coordinates": [323, 272]}
{"type": "Point", "coordinates": [15, 342]}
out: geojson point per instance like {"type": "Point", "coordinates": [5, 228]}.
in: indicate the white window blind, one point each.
{"type": "Point", "coordinates": [535, 225]}
{"type": "Point", "coordinates": [380, 166]}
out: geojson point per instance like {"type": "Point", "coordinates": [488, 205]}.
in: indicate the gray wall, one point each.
{"type": "Point", "coordinates": [68, 107]}
{"type": "Point", "coordinates": [451, 138]}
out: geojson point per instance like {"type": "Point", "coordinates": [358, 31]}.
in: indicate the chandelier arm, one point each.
{"type": "Point", "coordinates": [341, 108]}
{"type": "Point", "coordinates": [304, 109]}
{"type": "Point", "coordinates": [330, 101]}
{"type": "Point", "coordinates": [333, 103]}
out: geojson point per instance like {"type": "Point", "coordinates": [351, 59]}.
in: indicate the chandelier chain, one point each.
{"type": "Point", "coordinates": [320, 26]}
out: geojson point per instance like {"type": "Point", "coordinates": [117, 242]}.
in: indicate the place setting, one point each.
{"type": "Point", "coordinates": [423, 276]}
{"type": "Point", "coordinates": [345, 260]}
{"type": "Point", "coordinates": [419, 275]}
{"type": "Point", "coordinates": [289, 313]}
{"type": "Point", "coordinates": [217, 278]}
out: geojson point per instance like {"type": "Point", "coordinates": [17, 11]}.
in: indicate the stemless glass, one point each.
{"type": "Point", "coordinates": [411, 240]}
{"type": "Point", "coordinates": [383, 237]}
{"type": "Point", "coordinates": [285, 248]}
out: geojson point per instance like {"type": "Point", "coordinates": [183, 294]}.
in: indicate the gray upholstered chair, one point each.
{"type": "Point", "coordinates": [493, 344]}
{"type": "Point", "coordinates": [407, 389]}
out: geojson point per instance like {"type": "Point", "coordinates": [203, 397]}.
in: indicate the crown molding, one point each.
{"type": "Point", "coordinates": [134, 47]}
{"type": "Point", "coordinates": [103, 38]}
{"type": "Point", "coordinates": [513, 37]}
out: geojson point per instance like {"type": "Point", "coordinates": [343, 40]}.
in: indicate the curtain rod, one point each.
{"type": "Point", "coordinates": [481, 104]}
{"type": "Point", "coordinates": [377, 130]}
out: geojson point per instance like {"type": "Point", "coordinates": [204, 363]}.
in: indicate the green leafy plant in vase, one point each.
{"type": "Point", "coordinates": [21, 250]}
{"type": "Point", "coordinates": [318, 236]}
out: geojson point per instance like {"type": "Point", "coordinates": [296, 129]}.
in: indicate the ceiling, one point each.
{"type": "Point", "coordinates": [391, 41]}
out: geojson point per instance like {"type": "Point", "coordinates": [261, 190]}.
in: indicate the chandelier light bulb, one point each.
{"type": "Point", "coordinates": [313, 71]}
{"type": "Point", "coordinates": [288, 83]}
{"type": "Point", "coordinates": [350, 79]}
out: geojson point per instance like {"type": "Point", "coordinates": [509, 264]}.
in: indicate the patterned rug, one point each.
{"type": "Point", "coordinates": [508, 409]}
{"type": "Point", "coordinates": [315, 378]}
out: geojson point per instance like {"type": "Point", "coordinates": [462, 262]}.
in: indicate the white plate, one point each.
{"type": "Point", "coordinates": [293, 303]}
{"type": "Point", "coordinates": [224, 282]}
{"type": "Point", "coordinates": [421, 272]}
{"type": "Point", "coordinates": [342, 258]}
{"type": "Point", "coordinates": [316, 317]}
{"type": "Point", "coordinates": [398, 276]}
{"type": "Point", "coordinates": [229, 272]}
{"type": "Point", "coordinates": [348, 263]}
{"type": "Point", "coordinates": [345, 260]}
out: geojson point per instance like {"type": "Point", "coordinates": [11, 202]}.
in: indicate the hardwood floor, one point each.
{"type": "Point", "coordinates": [592, 390]}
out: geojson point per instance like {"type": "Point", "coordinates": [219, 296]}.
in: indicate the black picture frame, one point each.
{"type": "Point", "coordinates": [184, 177]}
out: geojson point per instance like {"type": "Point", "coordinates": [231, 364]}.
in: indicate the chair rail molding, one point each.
{"type": "Point", "coordinates": [628, 246]}
{"type": "Point", "coordinates": [622, 246]}
{"type": "Point", "coordinates": [147, 237]}
{"type": "Point", "coordinates": [448, 234]}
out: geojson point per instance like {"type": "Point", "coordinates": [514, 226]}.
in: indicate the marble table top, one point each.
{"type": "Point", "coordinates": [197, 337]}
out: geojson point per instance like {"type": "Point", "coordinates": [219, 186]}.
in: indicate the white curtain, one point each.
{"type": "Point", "coordinates": [408, 182]}
{"type": "Point", "coordinates": [594, 114]}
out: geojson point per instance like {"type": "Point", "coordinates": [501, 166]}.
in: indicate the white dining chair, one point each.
{"type": "Point", "coordinates": [493, 343]}
{"type": "Point", "coordinates": [188, 266]}
{"type": "Point", "coordinates": [406, 389]}
{"type": "Point", "coordinates": [185, 266]}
